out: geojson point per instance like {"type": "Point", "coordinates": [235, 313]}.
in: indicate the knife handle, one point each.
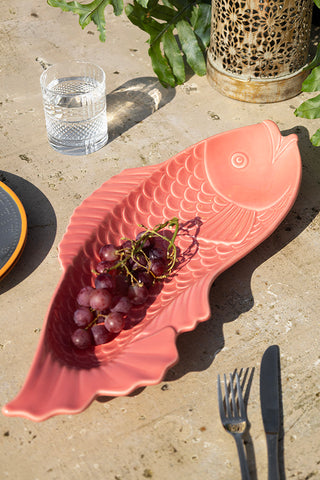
{"type": "Point", "coordinates": [273, 461]}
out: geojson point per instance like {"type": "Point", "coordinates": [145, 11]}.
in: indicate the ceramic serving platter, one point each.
{"type": "Point", "coordinates": [229, 192]}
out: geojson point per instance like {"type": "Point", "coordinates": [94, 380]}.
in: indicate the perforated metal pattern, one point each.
{"type": "Point", "coordinates": [260, 38]}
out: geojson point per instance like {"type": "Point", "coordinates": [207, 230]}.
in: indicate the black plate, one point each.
{"type": "Point", "coordinates": [13, 229]}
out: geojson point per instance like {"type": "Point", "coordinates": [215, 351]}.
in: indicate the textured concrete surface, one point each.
{"type": "Point", "coordinates": [171, 430]}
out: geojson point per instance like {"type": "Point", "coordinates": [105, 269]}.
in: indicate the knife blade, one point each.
{"type": "Point", "coordinates": [270, 406]}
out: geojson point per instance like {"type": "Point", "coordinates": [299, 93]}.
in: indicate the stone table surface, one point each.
{"type": "Point", "coordinates": [170, 430]}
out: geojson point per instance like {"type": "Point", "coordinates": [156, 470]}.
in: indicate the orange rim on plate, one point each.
{"type": "Point", "coordinates": [20, 225]}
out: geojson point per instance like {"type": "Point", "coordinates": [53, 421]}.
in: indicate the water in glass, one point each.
{"type": "Point", "coordinates": [75, 111]}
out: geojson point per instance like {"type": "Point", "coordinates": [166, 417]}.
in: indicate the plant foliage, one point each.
{"type": "Point", "coordinates": [178, 30]}
{"type": "Point", "coordinates": [311, 108]}
{"type": "Point", "coordinates": [179, 33]}
{"type": "Point", "coordinates": [90, 12]}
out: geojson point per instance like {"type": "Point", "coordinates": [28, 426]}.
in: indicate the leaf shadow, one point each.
{"type": "Point", "coordinates": [134, 101]}
{"type": "Point", "coordinates": [41, 229]}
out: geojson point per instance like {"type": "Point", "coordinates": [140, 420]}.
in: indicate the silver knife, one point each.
{"type": "Point", "coordinates": [270, 406]}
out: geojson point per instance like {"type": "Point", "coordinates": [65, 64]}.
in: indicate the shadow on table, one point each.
{"type": "Point", "coordinates": [127, 105]}
{"type": "Point", "coordinates": [282, 469]}
{"type": "Point", "coordinates": [134, 101]}
{"type": "Point", "coordinates": [231, 294]}
{"type": "Point", "coordinates": [42, 226]}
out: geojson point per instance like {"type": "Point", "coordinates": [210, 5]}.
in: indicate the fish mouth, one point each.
{"type": "Point", "coordinates": [285, 143]}
{"type": "Point", "coordinates": [279, 143]}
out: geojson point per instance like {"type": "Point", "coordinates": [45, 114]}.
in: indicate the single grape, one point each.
{"type": "Point", "coordinates": [83, 316]}
{"type": "Point", "coordinates": [161, 243]}
{"type": "Point", "coordinates": [138, 294]}
{"type": "Point", "coordinates": [100, 299]}
{"type": "Point", "coordinates": [100, 334]}
{"type": "Point", "coordinates": [145, 278]}
{"type": "Point", "coordinates": [123, 305]}
{"type": "Point", "coordinates": [155, 288]}
{"type": "Point", "coordinates": [104, 266]}
{"type": "Point", "coordinates": [127, 245]}
{"type": "Point", "coordinates": [165, 233]}
{"type": "Point", "coordinates": [146, 240]}
{"type": "Point", "coordinates": [114, 322]}
{"type": "Point", "coordinates": [109, 253]}
{"type": "Point", "coordinates": [139, 261]}
{"type": "Point", "coordinates": [105, 280]}
{"type": "Point", "coordinates": [81, 338]}
{"type": "Point", "coordinates": [156, 253]}
{"type": "Point", "coordinates": [136, 314]}
{"type": "Point", "coordinates": [122, 285]}
{"type": "Point", "coordinates": [83, 297]}
{"type": "Point", "coordinates": [158, 267]}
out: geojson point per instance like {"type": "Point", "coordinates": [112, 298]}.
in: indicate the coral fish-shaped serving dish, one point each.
{"type": "Point", "coordinates": [229, 192]}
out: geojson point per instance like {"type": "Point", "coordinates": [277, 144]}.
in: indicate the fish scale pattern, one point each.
{"type": "Point", "coordinates": [215, 232]}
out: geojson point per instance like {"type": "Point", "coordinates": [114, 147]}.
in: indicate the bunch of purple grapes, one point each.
{"type": "Point", "coordinates": [127, 277]}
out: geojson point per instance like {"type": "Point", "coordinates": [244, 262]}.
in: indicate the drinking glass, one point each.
{"type": "Point", "coordinates": [74, 100]}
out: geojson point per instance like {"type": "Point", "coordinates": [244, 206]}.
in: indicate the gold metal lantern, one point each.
{"type": "Point", "coordinates": [258, 48]}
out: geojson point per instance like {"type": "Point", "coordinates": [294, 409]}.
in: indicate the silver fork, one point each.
{"type": "Point", "coordinates": [234, 418]}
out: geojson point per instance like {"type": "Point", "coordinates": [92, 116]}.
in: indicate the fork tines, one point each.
{"type": "Point", "coordinates": [233, 416]}
{"type": "Point", "coordinates": [235, 406]}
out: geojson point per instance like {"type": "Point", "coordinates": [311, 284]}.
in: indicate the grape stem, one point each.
{"type": "Point", "coordinates": [136, 248]}
{"type": "Point", "coordinates": [174, 222]}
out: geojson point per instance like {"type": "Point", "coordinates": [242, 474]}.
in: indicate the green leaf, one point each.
{"type": "Point", "coordinates": [312, 82]}
{"type": "Point", "coordinates": [315, 139]}
{"type": "Point", "coordinates": [90, 12]}
{"type": "Point", "coordinates": [161, 66]}
{"type": "Point", "coordinates": [143, 3]}
{"type": "Point", "coordinates": [201, 22]}
{"type": "Point", "coordinates": [191, 48]}
{"type": "Point", "coordinates": [316, 60]}
{"type": "Point", "coordinates": [309, 108]}
{"type": "Point", "coordinates": [138, 16]}
{"type": "Point", "coordinates": [317, 2]}
{"type": "Point", "coordinates": [178, 4]}
{"type": "Point", "coordinates": [164, 13]}
{"type": "Point", "coordinates": [159, 19]}
{"type": "Point", "coordinates": [117, 7]}
{"type": "Point", "coordinates": [193, 24]}
{"type": "Point", "coordinates": [174, 56]}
